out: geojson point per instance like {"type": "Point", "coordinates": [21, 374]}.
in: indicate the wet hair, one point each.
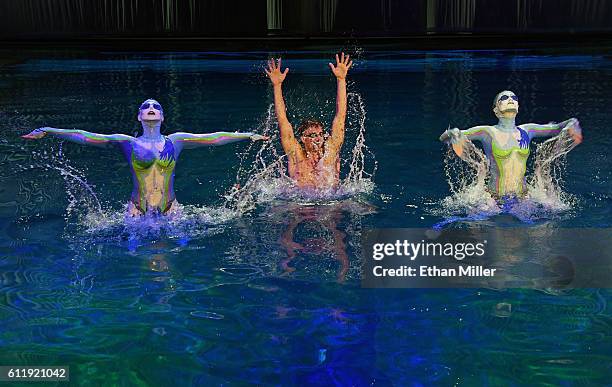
{"type": "Point", "coordinates": [307, 124]}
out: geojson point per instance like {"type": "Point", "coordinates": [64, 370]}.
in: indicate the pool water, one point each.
{"type": "Point", "coordinates": [224, 296]}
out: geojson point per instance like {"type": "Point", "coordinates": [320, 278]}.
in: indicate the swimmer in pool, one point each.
{"type": "Point", "coordinates": [506, 145]}
{"type": "Point", "coordinates": [151, 156]}
{"type": "Point", "coordinates": [315, 162]}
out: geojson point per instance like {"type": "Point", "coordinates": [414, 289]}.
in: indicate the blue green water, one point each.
{"type": "Point", "coordinates": [224, 300]}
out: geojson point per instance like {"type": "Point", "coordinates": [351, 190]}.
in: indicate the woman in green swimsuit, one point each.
{"type": "Point", "coordinates": [506, 145]}
{"type": "Point", "coordinates": [151, 156]}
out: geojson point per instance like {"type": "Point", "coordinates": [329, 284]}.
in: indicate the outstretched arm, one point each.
{"type": "Point", "coordinates": [343, 64]}
{"type": "Point", "coordinates": [80, 136]}
{"type": "Point", "coordinates": [192, 140]}
{"type": "Point", "coordinates": [288, 141]}
{"type": "Point", "coordinates": [458, 137]}
{"type": "Point", "coordinates": [572, 126]}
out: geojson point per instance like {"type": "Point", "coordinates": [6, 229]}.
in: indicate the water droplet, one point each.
{"type": "Point", "coordinates": [206, 314]}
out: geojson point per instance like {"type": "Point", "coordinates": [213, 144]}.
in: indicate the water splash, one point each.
{"type": "Point", "coordinates": [471, 200]}
{"type": "Point", "coordinates": [187, 223]}
{"type": "Point", "coordinates": [266, 179]}
{"type": "Point", "coordinates": [545, 185]}
{"type": "Point", "coordinates": [82, 199]}
{"type": "Point", "coordinates": [467, 178]}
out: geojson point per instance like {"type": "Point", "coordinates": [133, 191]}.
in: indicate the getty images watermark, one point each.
{"type": "Point", "coordinates": [493, 257]}
{"type": "Point", "coordinates": [413, 250]}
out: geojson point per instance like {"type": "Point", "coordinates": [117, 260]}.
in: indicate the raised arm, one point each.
{"type": "Point", "coordinates": [343, 64]}
{"type": "Point", "coordinates": [80, 136]}
{"type": "Point", "coordinates": [572, 126]}
{"type": "Point", "coordinates": [183, 140]}
{"type": "Point", "coordinates": [457, 137]}
{"type": "Point", "coordinates": [288, 141]}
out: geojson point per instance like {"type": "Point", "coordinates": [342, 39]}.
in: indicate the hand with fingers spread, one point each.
{"type": "Point", "coordinates": [35, 134]}
{"type": "Point", "coordinates": [573, 127]}
{"type": "Point", "coordinates": [343, 64]}
{"type": "Point", "coordinates": [274, 72]}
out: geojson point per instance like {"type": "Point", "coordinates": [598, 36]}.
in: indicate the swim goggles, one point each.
{"type": "Point", "coordinates": [506, 96]}
{"type": "Point", "coordinates": [313, 135]}
{"type": "Point", "coordinates": [147, 105]}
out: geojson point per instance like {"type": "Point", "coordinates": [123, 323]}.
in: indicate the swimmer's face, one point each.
{"type": "Point", "coordinates": [150, 110]}
{"type": "Point", "coordinates": [313, 138]}
{"type": "Point", "coordinates": [506, 104]}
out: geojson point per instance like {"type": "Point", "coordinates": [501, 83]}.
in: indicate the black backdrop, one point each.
{"type": "Point", "coordinates": [259, 18]}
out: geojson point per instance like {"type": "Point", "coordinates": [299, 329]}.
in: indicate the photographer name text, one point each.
{"type": "Point", "coordinates": [434, 271]}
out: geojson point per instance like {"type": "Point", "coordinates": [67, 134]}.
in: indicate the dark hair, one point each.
{"type": "Point", "coordinates": [307, 124]}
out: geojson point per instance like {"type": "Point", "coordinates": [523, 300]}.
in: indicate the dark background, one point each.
{"type": "Point", "coordinates": [101, 19]}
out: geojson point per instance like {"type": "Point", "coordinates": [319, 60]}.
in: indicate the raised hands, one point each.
{"type": "Point", "coordinates": [274, 72]}
{"type": "Point", "coordinates": [343, 64]}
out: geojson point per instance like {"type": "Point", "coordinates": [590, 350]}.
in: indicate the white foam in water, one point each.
{"type": "Point", "coordinates": [468, 184]}
{"type": "Point", "coordinates": [545, 185]}
{"type": "Point", "coordinates": [545, 197]}
{"type": "Point", "coordinates": [189, 222]}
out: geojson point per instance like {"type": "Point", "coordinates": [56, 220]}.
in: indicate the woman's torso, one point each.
{"type": "Point", "coordinates": [509, 151]}
{"type": "Point", "coordinates": [152, 164]}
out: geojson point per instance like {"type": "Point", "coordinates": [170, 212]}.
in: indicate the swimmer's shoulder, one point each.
{"type": "Point", "coordinates": [480, 130]}
{"type": "Point", "coordinates": [487, 128]}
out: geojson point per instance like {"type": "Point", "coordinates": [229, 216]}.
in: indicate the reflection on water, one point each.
{"type": "Point", "coordinates": [252, 286]}
{"type": "Point", "coordinates": [314, 233]}
{"type": "Point", "coordinates": [322, 236]}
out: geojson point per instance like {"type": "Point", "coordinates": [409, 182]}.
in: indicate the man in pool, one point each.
{"type": "Point", "coordinates": [506, 145]}
{"type": "Point", "coordinates": [315, 163]}
{"type": "Point", "coordinates": [151, 156]}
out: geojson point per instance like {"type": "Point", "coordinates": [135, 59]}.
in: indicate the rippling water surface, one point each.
{"type": "Point", "coordinates": [269, 293]}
